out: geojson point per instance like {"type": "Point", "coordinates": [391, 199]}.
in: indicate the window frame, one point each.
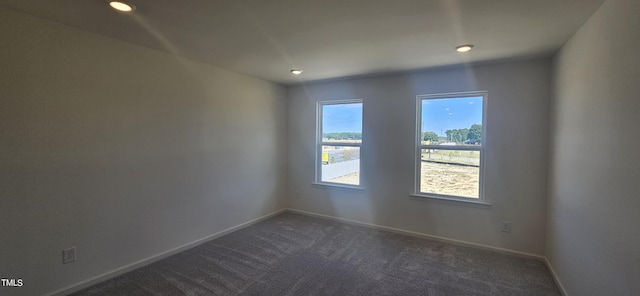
{"type": "Point", "coordinates": [320, 143]}
{"type": "Point", "coordinates": [419, 146]}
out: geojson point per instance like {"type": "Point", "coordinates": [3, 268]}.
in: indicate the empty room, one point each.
{"type": "Point", "coordinates": [308, 147]}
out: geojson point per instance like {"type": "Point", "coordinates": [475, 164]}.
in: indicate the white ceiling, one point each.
{"type": "Point", "coordinates": [329, 38]}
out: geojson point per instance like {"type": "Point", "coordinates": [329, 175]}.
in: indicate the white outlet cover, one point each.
{"type": "Point", "coordinates": [68, 255]}
{"type": "Point", "coordinates": [506, 226]}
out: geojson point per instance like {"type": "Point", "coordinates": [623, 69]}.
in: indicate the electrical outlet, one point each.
{"type": "Point", "coordinates": [68, 255]}
{"type": "Point", "coordinates": [506, 226]}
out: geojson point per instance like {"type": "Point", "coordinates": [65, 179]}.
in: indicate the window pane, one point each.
{"type": "Point", "coordinates": [452, 121]}
{"type": "Point", "coordinates": [342, 123]}
{"type": "Point", "coordinates": [341, 164]}
{"type": "Point", "coordinates": [450, 172]}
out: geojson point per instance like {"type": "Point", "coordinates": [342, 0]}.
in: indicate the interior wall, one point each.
{"type": "Point", "coordinates": [516, 154]}
{"type": "Point", "coordinates": [123, 152]}
{"type": "Point", "coordinates": [593, 235]}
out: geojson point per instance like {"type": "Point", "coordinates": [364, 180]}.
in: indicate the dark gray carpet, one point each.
{"type": "Point", "coordinates": [292, 254]}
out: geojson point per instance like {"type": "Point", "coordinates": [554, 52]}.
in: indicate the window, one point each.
{"type": "Point", "coordinates": [450, 146]}
{"type": "Point", "coordinates": [339, 138]}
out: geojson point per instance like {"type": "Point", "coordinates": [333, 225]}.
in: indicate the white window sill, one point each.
{"type": "Point", "coordinates": [423, 197]}
{"type": "Point", "coordinates": [338, 186]}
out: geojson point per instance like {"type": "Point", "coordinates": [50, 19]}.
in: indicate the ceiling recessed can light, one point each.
{"type": "Point", "coordinates": [296, 71]}
{"type": "Point", "coordinates": [121, 6]}
{"type": "Point", "coordinates": [464, 48]}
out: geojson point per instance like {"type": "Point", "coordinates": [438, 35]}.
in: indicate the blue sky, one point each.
{"type": "Point", "coordinates": [342, 118]}
{"type": "Point", "coordinates": [439, 115]}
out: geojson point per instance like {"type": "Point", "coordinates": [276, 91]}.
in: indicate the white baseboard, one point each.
{"type": "Point", "coordinates": [422, 235]}
{"type": "Point", "coordinates": [135, 265]}
{"type": "Point", "coordinates": [555, 277]}
{"type": "Point", "coordinates": [544, 259]}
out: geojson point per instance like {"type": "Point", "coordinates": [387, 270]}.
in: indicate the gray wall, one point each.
{"type": "Point", "coordinates": [123, 152]}
{"type": "Point", "coordinates": [594, 205]}
{"type": "Point", "coordinates": [516, 154]}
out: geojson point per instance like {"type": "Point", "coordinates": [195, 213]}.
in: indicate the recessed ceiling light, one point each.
{"type": "Point", "coordinates": [464, 48]}
{"type": "Point", "coordinates": [296, 71]}
{"type": "Point", "coordinates": [121, 6]}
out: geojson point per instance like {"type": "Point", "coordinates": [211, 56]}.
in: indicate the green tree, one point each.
{"type": "Point", "coordinates": [430, 136]}
{"type": "Point", "coordinates": [475, 134]}
{"type": "Point", "coordinates": [449, 134]}
{"type": "Point", "coordinates": [464, 133]}
{"type": "Point", "coordinates": [343, 136]}
{"type": "Point", "coordinates": [457, 135]}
